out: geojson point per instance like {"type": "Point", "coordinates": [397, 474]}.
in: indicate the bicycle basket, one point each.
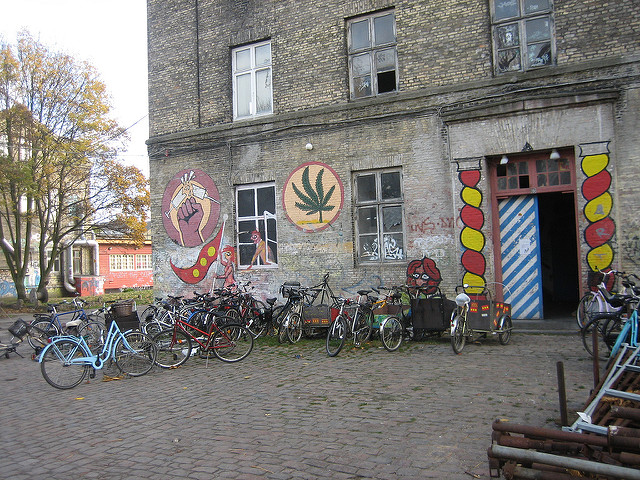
{"type": "Point", "coordinates": [123, 308]}
{"type": "Point", "coordinates": [19, 328]}
{"type": "Point", "coordinates": [290, 288]}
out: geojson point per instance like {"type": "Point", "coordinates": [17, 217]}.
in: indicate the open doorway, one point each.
{"type": "Point", "coordinates": [559, 255]}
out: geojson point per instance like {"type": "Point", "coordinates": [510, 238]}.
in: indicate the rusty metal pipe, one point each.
{"type": "Point", "coordinates": [539, 432]}
{"type": "Point", "coordinates": [629, 413]}
{"type": "Point", "coordinates": [517, 472]}
{"type": "Point", "coordinates": [567, 462]}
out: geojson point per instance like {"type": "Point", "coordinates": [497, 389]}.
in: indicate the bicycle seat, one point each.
{"type": "Point", "coordinates": [363, 292]}
{"type": "Point", "coordinates": [462, 299]}
{"type": "Point", "coordinates": [616, 300]}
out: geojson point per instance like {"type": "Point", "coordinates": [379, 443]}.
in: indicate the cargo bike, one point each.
{"type": "Point", "coordinates": [477, 314]}
{"type": "Point", "coordinates": [412, 313]}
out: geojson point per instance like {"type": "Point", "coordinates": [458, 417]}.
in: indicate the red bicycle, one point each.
{"type": "Point", "coordinates": [220, 335]}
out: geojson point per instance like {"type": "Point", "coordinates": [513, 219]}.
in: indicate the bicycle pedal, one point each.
{"type": "Point", "coordinates": [92, 374]}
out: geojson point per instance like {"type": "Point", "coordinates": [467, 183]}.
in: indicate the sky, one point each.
{"type": "Point", "coordinates": [109, 34]}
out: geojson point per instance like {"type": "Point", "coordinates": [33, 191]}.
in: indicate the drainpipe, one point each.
{"type": "Point", "coordinates": [67, 259]}
{"type": "Point", "coordinates": [67, 270]}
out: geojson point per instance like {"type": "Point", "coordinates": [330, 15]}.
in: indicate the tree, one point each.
{"type": "Point", "coordinates": [60, 177]}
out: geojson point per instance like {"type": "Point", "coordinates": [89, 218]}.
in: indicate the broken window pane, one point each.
{"type": "Point", "coordinates": [361, 65]}
{"type": "Point", "coordinates": [368, 220]}
{"type": "Point", "coordinates": [362, 86]}
{"type": "Point", "coordinates": [390, 185]}
{"type": "Point", "coordinates": [539, 54]}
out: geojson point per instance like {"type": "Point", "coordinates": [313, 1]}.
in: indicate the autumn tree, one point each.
{"type": "Point", "coordinates": [60, 177]}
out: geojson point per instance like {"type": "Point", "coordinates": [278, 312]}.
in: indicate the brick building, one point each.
{"type": "Point", "coordinates": [464, 141]}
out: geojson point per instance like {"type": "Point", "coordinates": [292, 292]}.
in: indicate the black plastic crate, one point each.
{"type": "Point", "coordinates": [19, 329]}
{"type": "Point", "coordinates": [126, 322]}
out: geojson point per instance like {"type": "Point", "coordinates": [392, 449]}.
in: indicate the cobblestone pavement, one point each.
{"type": "Point", "coordinates": [290, 412]}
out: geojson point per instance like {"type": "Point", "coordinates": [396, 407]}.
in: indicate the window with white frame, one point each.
{"type": "Point", "coordinates": [121, 261]}
{"type": "Point", "coordinates": [256, 225]}
{"type": "Point", "coordinates": [379, 215]}
{"type": "Point", "coordinates": [373, 60]}
{"type": "Point", "coordinates": [252, 88]}
{"type": "Point", "coordinates": [523, 36]}
{"type": "Point", "coordinates": [143, 261]}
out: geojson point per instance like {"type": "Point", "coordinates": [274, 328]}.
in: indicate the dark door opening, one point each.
{"type": "Point", "coordinates": [559, 254]}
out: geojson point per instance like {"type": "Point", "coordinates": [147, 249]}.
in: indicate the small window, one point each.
{"type": "Point", "coordinates": [379, 216]}
{"type": "Point", "coordinates": [373, 60]}
{"type": "Point", "coordinates": [522, 35]}
{"type": "Point", "coordinates": [252, 89]}
{"type": "Point", "coordinates": [257, 226]}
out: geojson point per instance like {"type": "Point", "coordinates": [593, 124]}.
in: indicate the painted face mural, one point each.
{"type": "Point", "coordinates": [190, 207]}
{"type": "Point", "coordinates": [312, 196]}
{"type": "Point", "coordinates": [424, 273]}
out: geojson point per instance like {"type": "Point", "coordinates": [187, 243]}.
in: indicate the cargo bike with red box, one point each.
{"type": "Point", "coordinates": [479, 315]}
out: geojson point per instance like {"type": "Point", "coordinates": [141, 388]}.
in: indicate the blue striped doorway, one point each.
{"type": "Point", "coordinates": [521, 257]}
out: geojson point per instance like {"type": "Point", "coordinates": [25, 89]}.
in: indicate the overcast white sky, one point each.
{"type": "Point", "coordinates": [109, 34]}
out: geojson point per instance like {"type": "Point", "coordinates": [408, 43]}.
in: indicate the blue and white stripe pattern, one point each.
{"type": "Point", "coordinates": [521, 265]}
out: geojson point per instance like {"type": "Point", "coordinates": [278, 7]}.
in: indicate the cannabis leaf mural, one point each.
{"type": "Point", "coordinates": [313, 201]}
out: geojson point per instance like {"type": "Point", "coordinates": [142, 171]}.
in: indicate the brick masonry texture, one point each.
{"type": "Point", "coordinates": [450, 105]}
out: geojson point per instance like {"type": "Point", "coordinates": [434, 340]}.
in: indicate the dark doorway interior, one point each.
{"type": "Point", "coordinates": [559, 254]}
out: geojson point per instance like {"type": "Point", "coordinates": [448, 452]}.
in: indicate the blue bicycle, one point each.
{"type": "Point", "coordinates": [67, 360]}
{"type": "Point", "coordinates": [628, 334]}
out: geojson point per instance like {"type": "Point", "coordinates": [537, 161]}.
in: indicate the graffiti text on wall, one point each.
{"type": "Point", "coordinates": [595, 190]}
{"type": "Point", "coordinates": [471, 236]}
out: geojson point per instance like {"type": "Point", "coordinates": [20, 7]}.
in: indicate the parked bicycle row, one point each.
{"type": "Point", "coordinates": [225, 323]}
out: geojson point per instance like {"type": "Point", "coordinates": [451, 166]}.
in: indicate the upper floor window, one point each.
{"type": "Point", "coordinates": [373, 60]}
{"type": "Point", "coordinates": [252, 89]}
{"type": "Point", "coordinates": [256, 225]}
{"type": "Point", "coordinates": [379, 217]}
{"type": "Point", "coordinates": [522, 35]}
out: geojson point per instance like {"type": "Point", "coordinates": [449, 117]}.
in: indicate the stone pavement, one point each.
{"type": "Point", "coordinates": [290, 412]}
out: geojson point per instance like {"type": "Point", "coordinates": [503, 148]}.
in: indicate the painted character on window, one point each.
{"type": "Point", "coordinates": [262, 250]}
{"type": "Point", "coordinates": [228, 261]}
{"type": "Point", "coordinates": [423, 274]}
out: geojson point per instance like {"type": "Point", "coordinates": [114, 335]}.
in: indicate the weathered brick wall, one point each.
{"type": "Point", "coordinates": [439, 43]}
{"type": "Point", "coordinates": [446, 78]}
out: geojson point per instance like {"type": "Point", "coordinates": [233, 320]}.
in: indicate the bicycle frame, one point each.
{"type": "Point", "coordinates": [187, 328]}
{"type": "Point", "coordinates": [630, 331]}
{"type": "Point", "coordinates": [96, 361]}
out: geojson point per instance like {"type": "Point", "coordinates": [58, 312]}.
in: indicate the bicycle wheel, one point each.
{"type": "Point", "coordinates": [40, 331]}
{"type": "Point", "coordinates": [364, 327]}
{"type": "Point", "coordinates": [232, 343]}
{"type": "Point", "coordinates": [587, 307]}
{"type": "Point", "coordinates": [505, 335]}
{"type": "Point", "coordinates": [458, 338]}
{"type": "Point", "coordinates": [94, 334]}
{"type": "Point", "coordinates": [586, 333]}
{"type": "Point", "coordinates": [336, 336]}
{"type": "Point", "coordinates": [391, 333]}
{"type": "Point", "coordinates": [294, 327]}
{"type": "Point", "coordinates": [55, 363]}
{"type": "Point", "coordinates": [174, 348]}
{"type": "Point", "coordinates": [135, 353]}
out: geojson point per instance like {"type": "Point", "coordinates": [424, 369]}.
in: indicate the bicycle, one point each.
{"type": "Point", "coordinates": [607, 326]}
{"type": "Point", "coordinates": [392, 328]}
{"type": "Point", "coordinates": [229, 341]}
{"type": "Point", "coordinates": [628, 334]}
{"type": "Point", "coordinates": [357, 326]}
{"type": "Point", "coordinates": [593, 302]}
{"type": "Point", "coordinates": [66, 360]}
{"type": "Point", "coordinates": [45, 326]}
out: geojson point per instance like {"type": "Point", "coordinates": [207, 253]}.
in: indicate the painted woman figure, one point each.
{"type": "Point", "coordinates": [424, 274]}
